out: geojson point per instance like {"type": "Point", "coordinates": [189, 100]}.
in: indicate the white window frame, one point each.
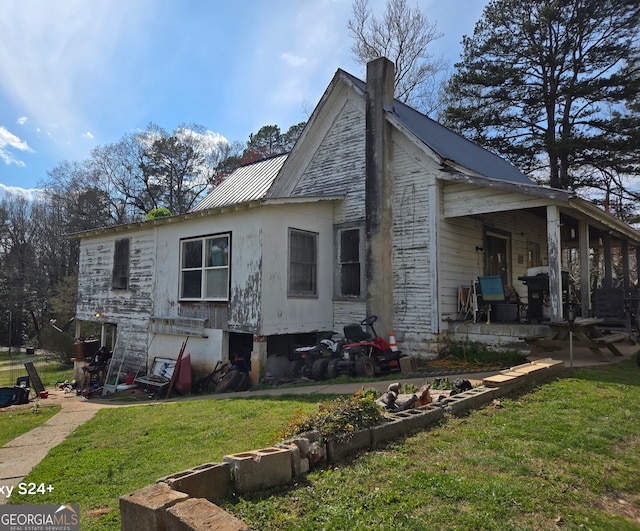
{"type": "Point", "coordinates": [294, 261]}
{"type": "Point", "coordinates": [206, 268]}
{"type": "Point", "coordinates": [339, 230]}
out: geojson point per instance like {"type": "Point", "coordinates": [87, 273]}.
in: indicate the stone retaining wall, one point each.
{"type": "Point", "coordinates": [186, 500]}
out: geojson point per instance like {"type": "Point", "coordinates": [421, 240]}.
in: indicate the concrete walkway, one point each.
{"type": "Point", "coordinates": [18, 457]}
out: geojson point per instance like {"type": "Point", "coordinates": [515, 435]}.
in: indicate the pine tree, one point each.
{"type": "Point", "coordinates": [553, 86]}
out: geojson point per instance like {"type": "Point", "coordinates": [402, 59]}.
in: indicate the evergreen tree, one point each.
{"type": "Point", "coordinates": [553, 86]}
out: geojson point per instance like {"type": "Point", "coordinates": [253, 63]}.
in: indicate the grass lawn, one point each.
{"type": "Point", "coordinates": [123, 449]}
{"type": "Point", "coordinates": [565, 455]}
{"type": "Point", "coordinates": [49, 369]}
{"type": "Point", "coordinates": [15, 422]}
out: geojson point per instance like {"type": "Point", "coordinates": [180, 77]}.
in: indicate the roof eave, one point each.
{"type": "Point", "coordinates": [594, 212]}
{"type": "Point", "coordinates": [216, 211]}
{"type": "Point", "coordinates": [535, 190]}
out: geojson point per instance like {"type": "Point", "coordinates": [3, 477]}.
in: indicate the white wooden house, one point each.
{"type": "Point", "coordinates": [377, 210]}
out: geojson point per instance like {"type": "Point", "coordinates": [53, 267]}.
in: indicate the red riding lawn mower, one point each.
{"type": "Point", "coordinates": [364, 355]}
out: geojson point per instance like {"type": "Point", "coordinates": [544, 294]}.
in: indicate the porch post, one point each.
{"type": "Point", "coordinates": [607, 282]}
{"type": "Point", "coordinates": [553, 251]}
{"type": "Point", "coordinates": [626, 278]}
{"type": "Point", "coordinates": [585, 277]}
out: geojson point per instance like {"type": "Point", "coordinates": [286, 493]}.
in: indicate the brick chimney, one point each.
{"type": "Point", "coordinates": [379, 193]}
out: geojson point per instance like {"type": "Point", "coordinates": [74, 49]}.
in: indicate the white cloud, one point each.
{"type": "Point", "coordinates": [10, 142]}
{"type": "Point", "coordinates": [30, 194]}
{"type": "Point", "coordinates": [293, 60]}
{"type": "Point", "coordinates": [87, 135]}
{"type": "Point", "coordinates": [22, 120]}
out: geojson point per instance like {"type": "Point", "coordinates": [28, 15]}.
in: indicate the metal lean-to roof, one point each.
{"type": "Point", "coordinates": [450, 146]}
{"type": "Point", "coordinates": [246, 183]}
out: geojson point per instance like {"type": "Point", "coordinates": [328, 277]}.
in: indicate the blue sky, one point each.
{"type": "Point", "coordinates": [77, 74]}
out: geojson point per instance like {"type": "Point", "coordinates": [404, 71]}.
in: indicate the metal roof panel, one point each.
{"type": "Point", "coordinates": [451, 146]}
{"type": "Point", "coordinates": [246, 183]}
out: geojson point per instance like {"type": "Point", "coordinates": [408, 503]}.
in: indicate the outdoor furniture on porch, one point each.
{"type": "Point", "coordinates": [493, 302]}
{"type": "Point", "coordinates": [486, 299]}
{"type": "Point", "coordinates": [537, 282]}
{"type": "Point", "coordinates": [470, 303]}
{"type": "Point", "coordinates": [466, 302]}
{"type": "Point", "coordinates": [585, 334]}
{"type": "Point", "coordinates": [609, 305]}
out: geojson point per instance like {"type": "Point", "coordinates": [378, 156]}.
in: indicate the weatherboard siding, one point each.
{"type": "Point", "coordinates": [241, 312]}
{"type": "Point", "coordinates": [467, 200]}
{"type": "Point", "coordinates": [347, 312]}
{"type": "Point", "coordinates": [338, 165]}
{"type": "Point", "coordinates": [413, 234]}
{"type": "Point", "coordinates": [459, 262]}
{"type": "Point", "coordinates": [94, 284]}
{"type": "Point", "coordinates": [128, 308]}
{"type": "Point", "coordinates": [412, 219]}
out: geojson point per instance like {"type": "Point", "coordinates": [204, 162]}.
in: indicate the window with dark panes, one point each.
{"type": "Point", "coordinates": [204, 268]}
{"type": "Point", "coordinates": [303, 263]}
{"type": "Point", "coordinates": [120, 273]}
{"type": "Point", "coordinates": [349, 260]}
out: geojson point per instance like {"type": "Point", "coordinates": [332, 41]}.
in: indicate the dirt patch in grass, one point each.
{"type": "Point", "coordinates": [624, 504]}
{"type": "Point", "coordinates": [98, 511]}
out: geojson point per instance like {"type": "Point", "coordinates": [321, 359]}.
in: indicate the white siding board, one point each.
{"type": "Point", "coordinates": [465, 200]}
{"type": "Point", "coordinates": [346, 312]}
{"type": "Point", "coordinates": [129, 309]}
{"type": "Point", "coordinates": [338, 165]}
{"type": "Point", "coordinates": [414, 213]}
{"type": "Point", "coordinates": [242, 311]}
{"type": "Point", "coordinates": [94, 282]}
{"type": "Point", "coordinates": [280, 313]}
{"type": "Point", "coordinates": [459, 263]}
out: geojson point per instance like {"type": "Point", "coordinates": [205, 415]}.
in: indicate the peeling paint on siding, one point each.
{"type": "Point", "coordinates": [414, 272]}
{"type": "Point", "coordinates": [338, 165]}
{"type": "Point", "coordinates": [129, 308]}
{"type": "Point", "coordinates": [245, 301]}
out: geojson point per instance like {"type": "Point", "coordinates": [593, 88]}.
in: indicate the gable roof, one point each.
{"type": "Point", "coordinates": [246, 183]}
{"type": "Point", "coordinates": [449, 145]}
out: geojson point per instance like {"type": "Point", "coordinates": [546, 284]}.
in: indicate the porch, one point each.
{"type": "Point", "coordinates": [501, 335]}
{"type": "Point", "coordinates": [553, 251]}
{"type": "Point", "coordinates": [514, 336]}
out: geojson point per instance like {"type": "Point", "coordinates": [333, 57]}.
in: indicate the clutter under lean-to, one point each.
{"type": "Point", "coordinates": [95, 372]}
